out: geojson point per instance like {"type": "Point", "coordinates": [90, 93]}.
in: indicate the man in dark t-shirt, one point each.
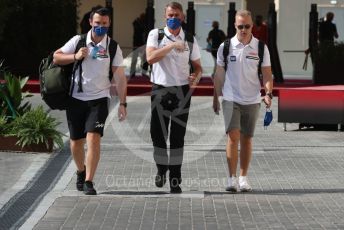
{"type": "Point", "coordinates": [215, 38]}
{"type": "Point", "coordinates": [327, 30]}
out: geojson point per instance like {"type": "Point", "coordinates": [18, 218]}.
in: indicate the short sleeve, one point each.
{"type": "Point", "coordinates": [266, 59]}
{"type": "Point", "coordinates": [152, 40]}
{"type": "Point", "coordinates": [70, 46]}
{"type": "Point", "coordinates": [118, 59]}
{"type": "Point", "coordinates": [220, 59]}
{"type": "Point", "coordinates": [196, 54]}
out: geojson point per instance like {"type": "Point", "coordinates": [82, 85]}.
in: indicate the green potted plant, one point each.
{"type": "Point", "coordinates": [4, 126]}
{"type": "Point", "coordinates": [34, 131]}
{"type": "Point", "coordinates": [11, 95]}
{"type": "Point", "coordinates": [21, 127]}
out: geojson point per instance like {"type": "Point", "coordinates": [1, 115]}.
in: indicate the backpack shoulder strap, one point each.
{"type": "Point", "coordinates": [225, 52]}
{"type": "Point", "coordinates": [112, 50]}
{"type": "Point", "coordinates": [261, 46]}
{"type": "Point", "coordinates": [161, 35]}
{"type": "Point", "coordinates": [81, 42]}
{"type": "Point", "coordinates": [190, 39]}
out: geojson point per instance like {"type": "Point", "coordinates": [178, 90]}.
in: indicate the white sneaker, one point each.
{"type": "Point", "coordinates": [232, 184]}
{"type": "Point", "coordinates": [243, 184]}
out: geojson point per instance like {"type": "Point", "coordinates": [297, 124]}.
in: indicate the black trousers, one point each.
{"type": "Point", "coordinates": [169, 116]}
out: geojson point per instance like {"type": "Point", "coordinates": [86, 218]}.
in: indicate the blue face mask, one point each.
{"type": "Point", "coordinates": [268, 118]}
{"type": "Point", "coordinates": [173, 23]}
{"type": "Point", "coordinates": [100, 30]}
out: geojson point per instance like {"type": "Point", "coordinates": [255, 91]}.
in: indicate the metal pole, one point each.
{"type": "Point", "coordinates": [190, 18]}
{"type": "Point", "coordinates": [150, 16]}
{"type": "Point", "coordinates": [108, 4]}
{"type": "Point", "coordinates": [272, 44]}
{"type": "Point", "coordinates": [313, 40]}
{"type": "Point", "coordinates": [231, 19]}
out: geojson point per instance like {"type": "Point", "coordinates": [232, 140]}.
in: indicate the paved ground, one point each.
{"type": "Point", "coordinates": [296, 176]}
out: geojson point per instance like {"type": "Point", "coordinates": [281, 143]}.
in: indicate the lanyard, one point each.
{"type": "Point", "coordinates": [168, 37]}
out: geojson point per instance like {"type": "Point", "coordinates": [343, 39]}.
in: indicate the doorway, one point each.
{"type": "Point", "coordinates": [260, 7]}
{"type": "Point", "coordinates": [205, 15]}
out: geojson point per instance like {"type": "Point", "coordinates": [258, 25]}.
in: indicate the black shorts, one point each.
{"type": "Point", "coordinates": [86, 116]}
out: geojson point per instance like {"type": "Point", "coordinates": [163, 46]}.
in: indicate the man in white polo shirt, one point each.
{"type": "Point", "coordinates": [240, 87]}
{"type": "Point", "coordinates": [89, 105]}
{"type": "Point", "coordinates": [171, 94]}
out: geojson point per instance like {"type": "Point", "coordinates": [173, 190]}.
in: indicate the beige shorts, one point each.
{"type": "Point", "coordinates": [242, 117]}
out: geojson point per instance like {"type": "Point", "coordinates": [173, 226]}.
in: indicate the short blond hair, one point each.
{"type": "Point", "coordinates": [243, 13]}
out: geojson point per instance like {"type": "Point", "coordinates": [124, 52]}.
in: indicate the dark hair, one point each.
{"type": "Point", "coordinates": [101, 11]}
{"type": "Point", "coordinates": [329, 16]}
{"type": "Point", "coordinates": [174, 5]}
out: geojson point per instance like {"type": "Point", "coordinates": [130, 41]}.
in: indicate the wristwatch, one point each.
{"type": "Point", "coordinates": [124, 104]}
{"type": "Point", "coordinates": [270, 95]}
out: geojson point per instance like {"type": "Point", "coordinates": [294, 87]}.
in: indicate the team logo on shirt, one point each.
{"type": "Point", "coordinates": [99, 53]}
{"type": "Point", "coordinates": [99, 125]}
{"type": "Point", "coordinates": [252, 57]}
{"type": "Point", "coordinates": [102, 53]}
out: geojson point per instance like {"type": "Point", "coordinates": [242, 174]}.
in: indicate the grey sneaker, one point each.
{"type": "Point", "coordinates": [244, 185]}
{"type": "Point", "coordinates": [232, 184]}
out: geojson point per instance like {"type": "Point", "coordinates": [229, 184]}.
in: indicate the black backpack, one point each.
{"type": "Point", "coordinates": [225, 53]}
{"type": "Point", "coordinates": [188, 37]}
{"type": "Point", "coordinates": [57, 81]}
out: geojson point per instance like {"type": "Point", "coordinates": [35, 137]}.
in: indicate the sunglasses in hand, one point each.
{"type": "Point", "coordinates": [247, 26]}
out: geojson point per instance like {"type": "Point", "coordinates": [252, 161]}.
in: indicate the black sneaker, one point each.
{"type": "Point", "coordinates": [174, 185]}
{"type": "Point", "coordinates": [88, 188]}
{"type": "Point", "coordinates": [160, 178]}
{"type": "Point", "coordinates": [80, 179]}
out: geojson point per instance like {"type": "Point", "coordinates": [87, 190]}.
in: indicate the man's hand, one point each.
{"type": "Point", "coordinates": [82, 53]}
{"type": "Point", "coordinates": [216, 105]}
{"type": "Point", "coordinates": [267, 100]}
{"type": "Point", "coordinates": [122, 113]}
{"type": "Point", "coordinates": [179, 46]}
{"type": "Point", "coordinates": [193, 80]}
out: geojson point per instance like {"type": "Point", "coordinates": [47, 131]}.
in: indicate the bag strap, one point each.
{"type": "Point", "coordinates": [190, 39]}
{"type": "Point", "coordinates": [261, 45]}
{"type": "Point", "coordinates": [225, 52]}
{"type": "Point", "coordinates": [81, 43]}
{"type": "Point", "coordinates": [161, 34]}
{"type": "Point", "coordinates": [112, 51]}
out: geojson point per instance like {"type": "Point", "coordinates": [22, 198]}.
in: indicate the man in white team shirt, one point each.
{"type": "Point", "coordinates": [171, 95]}
{"type": "Point", "coordinates": [88, 111]}
{"type": "Point", "coordinates": [240, 87]}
